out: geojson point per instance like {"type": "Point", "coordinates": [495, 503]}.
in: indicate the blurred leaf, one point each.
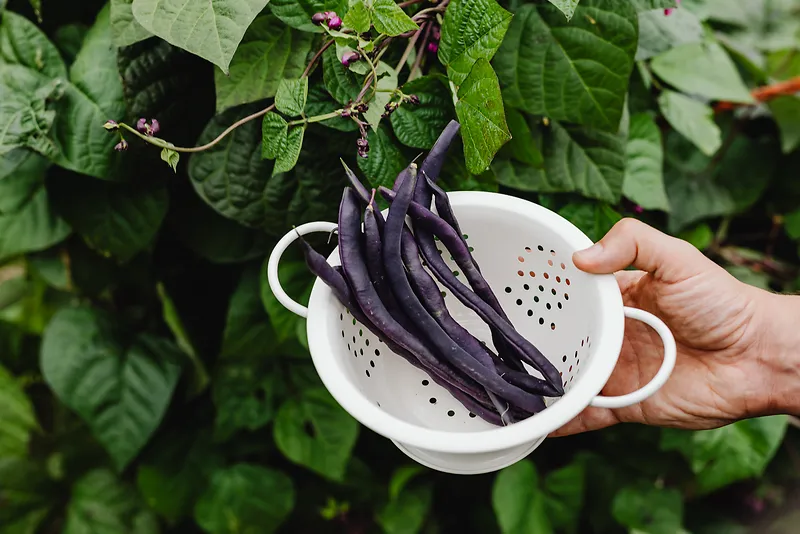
{"type": "Point", "coordinates": [645, 5]}
{"type": "Point", "coordinates": [699, 235]}
{"type": "Point", "coordinates": [22, 173]}
{"type": "Point", "coordinates": [658, 33]}
{"type": "Point", "coordinates": [23, 43]}
{"type": "Point", "coordinates": [523, 146]}
{"type": "Point", "coordinates": [564, 490]}
{"type": "Point", "coordinates": [33, 226]}
{"type": "Point", "coordinates": [120, 386]}
{"type": "Point", "coordinates": [644, 179]}
{"type": "Point", "coordinates": [17, 418]}
{"type": "Point", "coordinates": [595, 219]}
{"type": "Point", "coordinates": [566, 6]}
{"type": "Point", "coordinates": [406, 513]}
{"type": "Point", "coordinates": [570, 70]}
{"type": "Point", "coordinates": [315, 432]}
{"type": "Point", "coordinates": [268, 53]}
{"type": "Point", "coordinates": [646, 509]}
{"type": "Point", "coordinates": [518, 502]}
{"type": "Point", "coordinates": [786, 110]}
{"type": "Point", "coordinates": [101, 503]}
{"type": "Point", "coordinates": [749, 277]}
{"type": "Point", "coordinates": [27, 495]}
{"type": "Point", "coordinates": [472, 30]}
{"type": "Point", "coordinates": [692, 119]}
{"type": "Point", "coordinates": [728, 454]}
{"type": "Point", "coordinates": [248, 334]}
{"type": "Point", "coordinates": [704, 69]}
{"type": "Point", "coordinates": [298, 14]}
{"type": "Point", "coordinates": [245, 499]}
{"type": "Point", "coordinates": [296, 280]}
{"type": "Point", "coordinates": [125, 30]}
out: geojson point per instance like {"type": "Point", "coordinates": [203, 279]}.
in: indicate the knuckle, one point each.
{"type": "Point", "coordinates": [628, 226]}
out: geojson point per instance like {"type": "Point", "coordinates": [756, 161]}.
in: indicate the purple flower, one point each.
{"type": "Point", "coordinates": [433, 47]}
{"type": "Point", "coordinates": [436, 33]}
{"type": "Point", "coordinates": [335, 23]}
{"type": "Point", "coordinates": [638, 209]}
{"type": "Point", "coordinates": [154, 126]}
{"type": "Point", "coordinates": [141, 125]}
{"type": "Point", "coordinates": [350, 57]}
{"type": "Point", "coordinates": [111, 125]}
{"type": "Point", "coordinates": [121, 146]}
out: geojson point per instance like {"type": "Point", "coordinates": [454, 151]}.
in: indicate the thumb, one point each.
{"type": "Point", "coordinates": [633, 243]}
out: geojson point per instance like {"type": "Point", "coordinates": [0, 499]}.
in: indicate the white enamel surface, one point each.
{"type": "Point", "coordinates": [574, 318]}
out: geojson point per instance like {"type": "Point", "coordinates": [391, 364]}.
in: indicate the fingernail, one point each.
{"type": "Point", "coordinates": [589, 254]}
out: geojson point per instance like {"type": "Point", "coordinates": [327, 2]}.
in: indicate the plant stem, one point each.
{"type": "Point", "coordinates": [402, 5]}
{"type": "Point", "coordinates": [411, 43]}
{"type": "Point", "coordinates": [317, 118]}
{"type": "Point", "coordinates": [316, 58]}
{"type": "Point", "coordinates": [421, 52]}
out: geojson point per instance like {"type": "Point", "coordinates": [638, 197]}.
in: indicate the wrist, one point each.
{"type": "Point", "coordinates": [778, 355]}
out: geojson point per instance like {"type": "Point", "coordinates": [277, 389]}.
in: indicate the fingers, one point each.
{"type": "Point", "coordinates": [589, 419]}
{"type": "Point", "coordinates": [633, 243]}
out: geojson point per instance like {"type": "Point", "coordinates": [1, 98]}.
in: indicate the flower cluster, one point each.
{"type": "Point", "coordinates": [390, 107]}
{"type": "Point", "coordinates": [433, 44]}
{"type": "Point", "coordinates": [146, 128]}
{"type": "Point", "coordinates": [329, 17]}
{"type": "Point", "coordinates": [350, 57]}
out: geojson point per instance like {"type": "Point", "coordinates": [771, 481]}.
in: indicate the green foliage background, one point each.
{"type": "Point", "coordinates": [149, 380]}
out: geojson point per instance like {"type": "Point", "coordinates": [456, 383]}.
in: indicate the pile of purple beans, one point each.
{"type": "Point", "coordinates": [383, 282]}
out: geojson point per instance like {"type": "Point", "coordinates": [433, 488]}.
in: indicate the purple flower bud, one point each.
{"type": "Point", "coordinates": [350, 57]}
{"type": "Point", "coordinates": [669, 10]}
{"type": "Point", "coordinates": [362, 108]}
{"type": "Point", "coordinates": [335, 23]}
{"type": "Point", "coordinates": [329, 14]}
{"type": "Point", "coordinates": [111, 125]}
{"type": "Point", "coordinates": [433, 47]}
{"type": "Point", "coordinates": [436, 33]}
{"type": "Point", "coordinates": [638, 209]}
{"type": "Point", "coordinates": [154, 126]}
{"type": "Point", "coordinates": [141, 125]}
{"type": "Point", "coordinates": [346, 113]}
{"type": "Point", "coordinates": [318, 18]}
{"type": "Point", "coordinates": [414, 99]}
{"type": "Point", "coordinates": [121, 146]}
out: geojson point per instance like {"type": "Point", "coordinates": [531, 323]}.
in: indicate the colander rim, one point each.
{"type": "Point", "coordinates": [606, 344]}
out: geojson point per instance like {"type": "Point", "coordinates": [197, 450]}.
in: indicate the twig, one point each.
{"type": "Point", "coordinates": [764, 94]}
{"type": "Point", "coordinates": [316, 57]}
{"type": "Point", "coordinates": [421, 51]}
{"type": "Point", "coordinates": [411, 43]}
{"type": "Point", "coordinates": [402, 5]}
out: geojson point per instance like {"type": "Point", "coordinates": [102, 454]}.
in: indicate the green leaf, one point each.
{"type": "Point", "coordinates": [483, 121]}
{"type": "Point", "coordinates": [172, 480]}
{"type": "Point", "coordinates": [120, 386]}
{"type": "Point", "coordinates": [171, 158]}
{"type": "Point", "coordinates": [566, 6]}
{"type": "Point", "coordinates": [786, 110]}
{"type": "Point", "coordinates": [269, 497]}
{"type": "Point", "coordinates": [17, 419]}
{"type": "Point", "coordinates": [274, 131]}
{"type": "Point", "coordinates": [340, 82]}
{"type": "Point", "coordinates": [472, 30]}
{"type": "Point", "coordinates": [575, 71]}
{"type": "Point", "coordinates": [701, 236]}
{"type": "Point", "coordinates": [384, 160]}
{"type": "Point", "coordinates": [419, 125]}
{"type": "Point", "coordinates": [22, 43]}
{"type": "Point", "coordinates": [704, 69]}
{"type": "Point", "coordinates": [125, 29]}
{"type": "Point", "coordinates": [518, 502]}
{"type": "Point", "coordinates": [358, 17]}
{"type": "Point", "coordinates": [564, 490]}
{"type": "Point", "coordinates": [26, 111]}
{"type": "Point", "coordinates": [27, 493]}
{"type": "Point", "coordinates": [298, 13]}
{"type": "Point", "coordinates": [692, 119]}
{"type": "Point", "coordinates": [646, 5]}
{"type": "Point", "coordinates": [114, 219]}
{"type": "Point", "coordinates": [791, 223]}
{"type": "Point", "coordinates": [389, 19]}
{"type": "Point", "coordinates": [577, 159]}
{"type": "Point", "coordinates": [269, 52]}
{"type": "Point", "coordinates": [248, 334]}
{"type": "Point", "coordinates": [746, 275]}
{"type": "Point", "coordinates": [315, 432]}
{"type": "Point", "coordinates": [211, 30]}
{"type": "Point", "coordinates": [734, 452]}
{"type": "Point", "coordinates": [594, 219]}
{"type": "Point", "coordinates": [523, 147]}
{"type": "Point", "coordinates": [69, 39]}
{"type": "Point", "coordinates": [644, 178]}
{"type": "Point", "coordinates": [320, 102]}
{"type": "Point", "coordinates": [649, 510]}
{"type": "Point", "coordinates": [291, 96]}
{"type": "Point", "coordinates": [21, 174]}
{"type": "Point", "coordinates": [31, 227]}
{"type": "Point", "coordinates": [387, 81]}
{"type": "Point", "coordinates": [232, 177]}
{"type": "Point", "coordinates": [296, 280]}
{"type": "Point", "coordinates": [287, 158]}
{"type": "Point", "coordinates": [103, 504]}
{"type": "Point", "coordinates": [658, 33]}
{"type": "Point", "coordinates": [406, 513]}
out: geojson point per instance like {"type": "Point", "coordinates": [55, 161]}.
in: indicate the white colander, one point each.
{"type": "Point", "coordinates": [576, 319]}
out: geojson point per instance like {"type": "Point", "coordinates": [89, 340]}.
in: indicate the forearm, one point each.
{"type": "Point", "coordinates": [779, 354]}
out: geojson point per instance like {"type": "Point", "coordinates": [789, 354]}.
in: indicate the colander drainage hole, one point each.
{"type": "Point", "coordinates": [451, 413]}
{"type": "Point", "coordinates": [564, 358]}
{"type": "Point", "coordinates": [355, 353]}
{"type": "Point", "coordinates": [342, 333]}
{"type": "Point", "coordinates": [541, 248]}
{"type": "Point", "coordinates": [425, 382]}
{"type": "Point", "coordinates": [472, 415]}
{"type": "Point", "coordinates": [349, 347]}
{"type": "Point", "coordinates": [548, 306]}
{"type": "Point", "coordinates": [560, 306]}
{"type": "Point", "coordinates": [508, 290]}
{"type": "Point", "coordinates": [530, 313]}
{"type": "Point", "coordinates": [361, 351]}
{"type": "Point", "coordinates": [541, 320]}
{"type": "Point", "coordinates": [367, 371]}
{"type": "Point", "coordinates": [432, 400]}
{"type": "Point", "coordinates": [371, 363]}
{"type": "Point", "coordinates": [377, 352]}
{"type": "Point", "coordinates": [519, 302]}
{"type": "Point", "coordinates": [526, 287]}
{"type": "Point", "coordinates": [541, 288]}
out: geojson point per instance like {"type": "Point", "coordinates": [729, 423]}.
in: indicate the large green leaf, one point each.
{"type": "Point", "coordinates": [245, 499]}
{"type": "Point", "coordinates": [644, 178]}
{"type": "Point", "coordinates": [591, 162]}
{"type": "Point", "coordinates": [26, 110]}
{"type": "Point", "coordinates": [734, 452]}
{"type": "Point", "coordinates": [518, 502]}
{"type": "Point", "coordinates": [482, 117]}
{"type": "Point", "coordinates": [384, 160]}
{"type": "Point", "coordinates": [22, 43]}
{"type": "Point", "coordinates": [472, 30]}
{"type": "Point", "coordinates": [102, 504]}
{"type": "Point", "coordinates": [387, 82]}
{"type": "Point", "coordinates": [390, 19]}
{"type": "Point", "coordinates": [692, 119]}
{"type": "Point", "coordinates": [248, 334]}
{"type": "Point", "coordinates": [786, 110]}
{"type": "Point", "coordinates": [522, 147]}
{"type": "Point", "coordinates": [125, 29]}
{"type": "Point", "coordinates": [296, 280]}
{"type": "Point", "coordinates": [419, 125]}
{"type": "Point", "coordinates": [291, 96]}
{"type": "Point", "coordinates": [17, 419]}
{"type": "Point", "coordinates": [320, 102]}
{"type": "Point", "coordinates": [704, 69]}
{"type": "Point", "coordinates": [566, 6]}
{"type": "Point", "coordinates": [407, 511]}
{"type": "Point", "coordinates": [211, 29]}
{"type": "Point", "coordinates": [21, 174]}
{"type": "Point", "coordinates": [342, 83]}
{"type": "Point", "coordinates": [269, 52]}
{"type": "Point", "coordinates": [120, 385]}
{"type": "Point", "coordinates": [564, 496]}
{"type": "Point", "coordinates": [27, 494]}
{"type": "Point", "coordinates": [114, 219]}
{"type": "Point", "coordinates": [646, 509]}
{"type": "Point", "coordinates": [33, 226]}
{"type": "Point", "coordinates": [232, 177]}
{"type": "Point", "coordinates": [315, 432]}
{"type": "Point", "coordinates": [359, 17]}
{"type": "Point", "coordinates": [594, 218]}
{"type": "Point", "coordinates": [658, 33]}
{"type": "Point", "coordinates": [298, 13]}
{"type": "Point", "coordinates": [575, 71]}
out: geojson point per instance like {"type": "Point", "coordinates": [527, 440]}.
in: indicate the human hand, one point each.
{"type": "Point", "coordinates": [730, 336]}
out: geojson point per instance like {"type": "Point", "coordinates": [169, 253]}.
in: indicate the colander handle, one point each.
{"type": "Point", "coordinates": [275, 258]}
{"type": "Point", "coordinates": [663, 373]}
